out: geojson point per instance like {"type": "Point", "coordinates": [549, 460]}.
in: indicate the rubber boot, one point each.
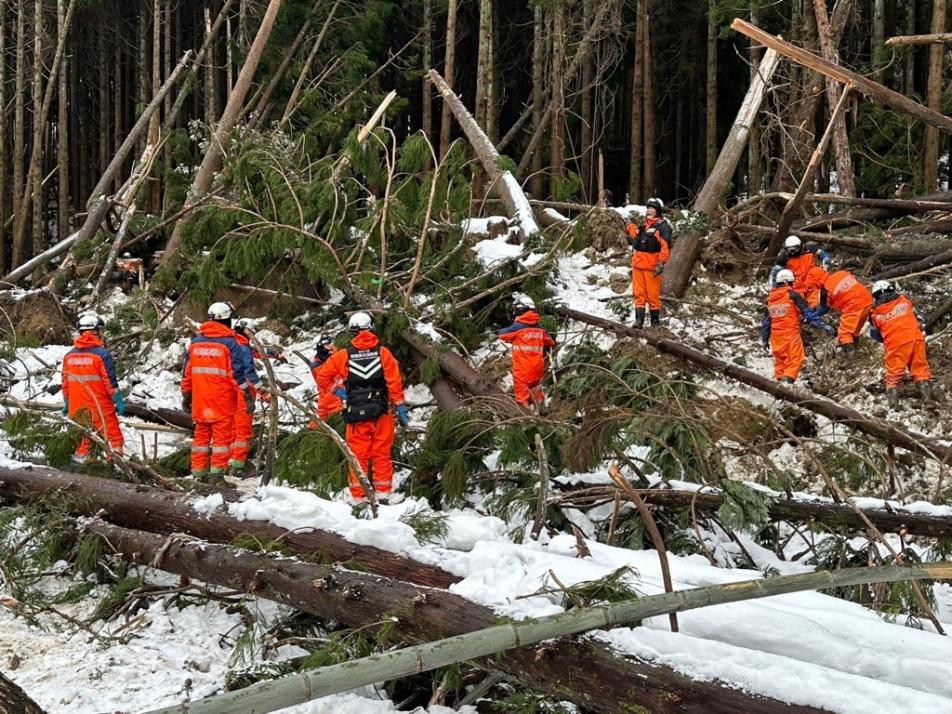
{"type": "Point", "coordinates": [639, 317]}
{"type": "Point", "coordinates": [925, 391]}
{"type": "Point", "coordinates": [656, 318]}
{"type": "Point", "coordinates": [892, 397]}
{"type": "Point", "coordinates": [787, 380]}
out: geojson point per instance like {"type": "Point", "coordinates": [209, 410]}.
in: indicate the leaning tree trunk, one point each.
{"type": "Point", "coordinates": [930, 146]}
{"type": "Point", "coordinates": [14, 700]}
{"type": "Point", "coordinates": [585, 672]}
{"type": "Point", "coordinates": [162, 511]}
{"type": "Point", "coordinates": [219, 140]}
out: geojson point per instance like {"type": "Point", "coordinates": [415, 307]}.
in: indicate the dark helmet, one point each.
{"type": "Point", "coordinates": [322, 347]}
{"type": "Point", "coordinates": [657, 204]}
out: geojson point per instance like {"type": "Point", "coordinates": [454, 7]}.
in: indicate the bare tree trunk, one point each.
{"type": "Point", "coordinates": [557, 158]}
{"type": "Point", "coordinates": [62, 133]}
{"type": "Point", "coordinates": [211, 113]}
{"type": "Point", "coordinates": [483, 74]}
{"type": "Point", "coordinates": [449, 69]}
{"type": "Point", "coordinates": [841, 143]}
{"type": "Point", "coordinates": [427, 64]}
{"type": "Point", "coordinates": [4, 157]}
{"type": "Point", "coordinates": [213, 156]}
{"type": "Point", "coordinates": [755, 174]}
{"type": "Point", "coordinates": [879, 37]}
{"type": "Point", "coordinates": [711, 122]}
{"type": "Point", "coordinates": [930, 147]}
{"type": "Point", "coordinates": [155, 189]}
{"type": "Point", "coordinates": [117, 100]}
{"type": "Point", "coordinates": [19, 138]}
{"type": "Point", "coordinates": [37, 242]}
{"type": "Point", "coordinates": [909, 63]}
{"type": "Point", "coordinates": [650, 114]}
{"type": "Point", "coordinates": [14, 700]}
{"type": "Point", "coordinates": [537, 185]}
{"type": "Point", "coordinates": [587, 118]}
{"type": "Point", "coordinates": [104, 115]}
{"type": "Point", "coordinates": [635, 185]}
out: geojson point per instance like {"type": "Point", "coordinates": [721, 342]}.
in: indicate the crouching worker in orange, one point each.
{"type": "Point", "coordinates": [328, 401]}
{"type": "Point", "coordinates": [652, 244]}
{"type": "Point", "coordinates": [780, 330]}
{"type": "Point", "coordinates": [529, 343]}
{"type": "Point", "coordinates": [843, 292]}
{"type": "Point", "coordinates": [90, 389]}
{"type": "Point", "coordinates": [893, 321]}
{"type": "Point", "coordinates": [216, 372]}
{"type": "Point", "coordinates": [244, 420]}
{"type": "Point", "coordinates": [372, 385]}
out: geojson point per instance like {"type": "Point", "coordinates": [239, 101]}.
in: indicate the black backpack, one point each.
{"type": "Point", "coordinates": [367, 396]}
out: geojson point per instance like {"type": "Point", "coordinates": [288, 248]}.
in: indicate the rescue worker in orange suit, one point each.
{"type": "Point", "coordinates": [652, 245]}
{"type": "Point", "coordinates": [800, 260]}
{"type": "Point", "coordinates": [893, 321]}
{"type": "Point", "coordinates": [328, 402]}
{"type": "Point", "coordinates": [244, 420]}
{"type": "Point", "coordinates": [90, 389]}
{"type": "Point", "coordinates": [843, 292]}
{"type": "Point", "coordinates": [217, 371]}
{"type": "Point", "coordinates": [529, 343]}
{"type": "Point", "coordinates": [780, 330]}
{"type": "Point", "coordinates": [366, 376]}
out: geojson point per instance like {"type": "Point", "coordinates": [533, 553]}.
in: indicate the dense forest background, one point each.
{"type": "Point", "coordinates": [650, 86]}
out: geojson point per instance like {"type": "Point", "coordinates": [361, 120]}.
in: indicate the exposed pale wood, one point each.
{"type": "Point", "coordinates": [932, 39]}
{"type": "Point", "coordinates": [871, 89]}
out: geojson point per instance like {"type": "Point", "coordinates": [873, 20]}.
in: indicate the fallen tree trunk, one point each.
{"type": "Point", "coordinates": [933, 317]}
{"type": "Point", "coordinates": [884, 251]}
{"type": "Point", "coordinates": [14, 700]}
{"type": "Point", "coordinates": [584, 672]}
{"type": "Point", "coordinates": [880, 429]}
{"type": "Point", "coordinates": [898, 208]}
{"type": "Point", "coordinates": [172, 417]}
{"type": "Point", "coordinates": [939, 38]}
{"type": "Point", "coordinates": [943, 258]}
{"type": "Point", "coordinates": [169, 512]}
{"type": "Point", "coordinates": [941, 225]}
{"type": "Point", "coordinates": [501, 180]}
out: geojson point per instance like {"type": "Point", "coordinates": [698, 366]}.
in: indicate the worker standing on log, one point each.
{"type": "Point", "coordinates": [328, 401]}
{"type": "Point", "coordinates": [529, 343]}
{"type": "Point", "coordinates": [843, 292]}
{"type": "Point", "coordinates": [90, 388]}
{"type": "Point", "coordinates": [780, 331]}
{"type": "Point", "coordinates": [244, 419]}
{"type": "Point", "coordinates": [652, 244]}
{"type": "Point", "coordinates": [799, 259]}
{"type": "Point", "coordinates": [371, 385]}
{"type": "Point", "coordinates": [894, 322]}
{"type": "Point", "coordinates": [218, 376]}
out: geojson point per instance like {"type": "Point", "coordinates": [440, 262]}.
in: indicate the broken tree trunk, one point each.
{"type": "Point", "coordinates": [806, 181]}
{"type": "Point", "coordinates": [211, 162]}
{"type": "Point", "coordinates": [584, 672]}
{"type": "Point", "coordinates": [934, 39]}
{"type": "Point", "coordinates": [500, 179]}
{"type": "Point", "coordinates": [100, 203]}
{"type": "Point", "coordinates": [163, 511]}
{"type": "Point", "coordinates": [709, 198]}
{"type": "Point", "coordinates": [173, 417]}
{"type": "Point", "coordinates": [841, 144]}
{"type": "Point", "coordinates": [880, 429]}
{"type": "Point", "coordinates": [871, 89]}
{"type": "Point", "coordinates": [943, 258]}
{"type": "Point", "coordinates": [14, 700]}
{"type": "Point", "coordinates": [896, 209]}
{"type": "Point", "coordinates": [495, 640]}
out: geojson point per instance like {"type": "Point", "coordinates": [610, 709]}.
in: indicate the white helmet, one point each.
{"type": "Point", "coordinates": [90, 321]}
{"type": "Point", "coordinates": [881, 286]}
{"type": "Point", "coordinates": [785, 277]}
{"type": "Point", "coordinates": [220, 311]}
{"type": "Point", "coordinates": [792, 242]}
{"type": "Point", "coordinates": [655, 203]}
{"type": "Point", "coordinates": [245, 324]}
{"type": "Point", "coordinates": [361, 321]}
{"type": "Point", "coordinates": [523, 302]}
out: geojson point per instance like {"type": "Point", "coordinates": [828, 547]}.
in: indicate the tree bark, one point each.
{"type": "Point", "coordinates": [635, 163]}
{"type": "Point", "coordinates": [878, 39]}
{"type": "Point", "coordinates": [650, 115]}
{"type": "Point", "coordinates": [308, 63]}
{"type": "Point", "coordinates": [4, 156]}
{"type": "Point", "coordinates": [930, 145]}
{"type": "Point", "coordinates": [853, 216]}
{"type": "Point", "coordinates": [19, 139]}
{"type": "Point", "coordinates": [62, 133]}
{"type": "Point", "coordinates": [537, 185]}
{"type": "Point", "coordinates": [755, 176]}
{"type": "Point", "coordinates": [584, 672]}
{"type": "Point", "coordinates": [35, 169]}
{"type": "Point", "coordinates": [213, 156]}
{"type": "Point", "coordinates": [14, 700]}
{"type": "Point", "coordinates": [557, 156]}
{"type": "Point", "coordinates": [426, 88]}
{"type": "Point", "coordinates": [161, 511]}
{"type": "Point", "coordinates": [871, 89]}
{"type": "Point", "coordinates": [909, 62]}
{"type": "Point", "coordinates": [711, 94]}
{"type": "Point", "coordinates": [911, 39]}
{"type": "Point", "coordinates": [886, 431]}
{"type": "Point", "coordinates": [449, 72]}
{"type": "Point", "coordinates": [587, 118]}
{"type": "Point", "coordinates": [841, 144]}
{"type": "Point", "coordinates": [943, 258]}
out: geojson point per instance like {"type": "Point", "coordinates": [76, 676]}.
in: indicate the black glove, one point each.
{"type": "Point", "coordinates": [766, 346]}
{"type": "Point", "coordinates": [187, 402]}
{"type": "Point", "coordinates": [249, 401]}
{"type": "Point", "coordinates": [659, 268]}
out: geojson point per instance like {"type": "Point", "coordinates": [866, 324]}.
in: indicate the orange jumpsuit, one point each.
{"type": "Point", "coordinates": [529, 342]}
{"type": "Point", "coordinates": [371, 377]}
{"type": "Point", "coordinates": [849, 297]}
{"type": "Point", "coordinates": [215, 370]}
{"type": "Point", "coordinates": [895, 322]}
{"type": "Point", "coordinates": [782, 326]}
{"type": "Point", "coordinates": [327, 400]}
{"type": "Point", "coordinates": [244, 422]}
{"type": "Point", "coordinates": [652, 246]}
{"type": "Point", "coordinates": [89, 383]}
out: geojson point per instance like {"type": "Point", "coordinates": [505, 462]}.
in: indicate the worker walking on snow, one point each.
{"type": "Point", "coordinates": [529, 343]}
{"type": "Point", "coordinates": [894, 322]}
{"type": "Point", "coordinates": [217, 377]}
{"type": "Point", "coordinates": [366, 376]}
{"type": "Point", "coordinates": [652, 244]}
{"type": "Point", "coordinates": [328, 401]}
{"type": "Point", "coordinates": [244, 420]}
{"type": "Point", "coordinates": [798, 259]}
{"type": "Point", "coordinates": [780, 331]}
{"type": "Point", "coordinates": [90, 389]}
{"type": "Point", "coordinates": [843, 292]}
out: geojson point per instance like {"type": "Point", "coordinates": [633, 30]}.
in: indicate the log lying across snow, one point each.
{"type": "Point", "coordinates": [887, 431]}
{"type": "Point", "coordinates": [173, 417]}
{"type": "Point", "coordinates": [14, 700]}
{"type": "Point", "coordinates": [584, 672]}
{"type": "Point", "coordinates": [164, 511]}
